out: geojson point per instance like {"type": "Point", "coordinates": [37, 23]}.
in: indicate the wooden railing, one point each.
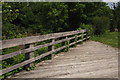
{"type": "Point", "coordinates": [29, 41]}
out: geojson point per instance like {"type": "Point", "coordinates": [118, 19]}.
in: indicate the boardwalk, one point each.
{"type": "Point", "coordinates": [88, 60]}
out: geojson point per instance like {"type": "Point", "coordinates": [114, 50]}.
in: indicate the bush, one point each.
{"type": "Point", "coordinates": [88, 27]}
{"type": "Point", "coordinates": [100, 25]}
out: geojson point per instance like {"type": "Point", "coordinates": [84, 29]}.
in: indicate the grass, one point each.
{"type": "Point", "coordinates": [109, 38]}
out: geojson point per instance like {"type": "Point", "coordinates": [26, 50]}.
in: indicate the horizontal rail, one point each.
{"type": "Point", "coordinates": [33, 39]}
{"type": "Point", "coordinates": [79, 41]}
{"type": "Point", "coordinates": [2, 57]}
{"type": "Point", "coordinates": [81, 35]}
{"type": "Point", "coordinates": [29, 61]}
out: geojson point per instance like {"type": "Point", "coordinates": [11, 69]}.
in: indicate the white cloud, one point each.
{"type": "Point", "coordinates": [111, 0]}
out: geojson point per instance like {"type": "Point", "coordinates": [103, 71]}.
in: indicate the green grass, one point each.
{"type": "Point", "coordinates": [109, 38]}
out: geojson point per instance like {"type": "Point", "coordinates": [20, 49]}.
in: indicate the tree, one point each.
{"type": "Point", "coordinates": [117, 15]}
{"type": "Point", "coordinates": [43, 18]}
{"type": "Point", "coordinates": [10, 12]}
{"type": "Point", "coordinates": [76, 15]}
{"type": "Point", "coordinates": [84, 12]}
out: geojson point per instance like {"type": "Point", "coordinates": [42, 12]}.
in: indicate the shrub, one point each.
{"type": "Point", "coordinates": [100, 25]}
{"type": "Point", "coordinates": [88, 27]}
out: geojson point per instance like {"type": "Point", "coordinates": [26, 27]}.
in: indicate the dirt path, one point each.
{"type": "Point", "coordinates": [88, 60]}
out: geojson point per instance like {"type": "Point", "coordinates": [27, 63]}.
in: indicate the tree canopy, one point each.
{"type": "Point", "coordinates": [28, 18]}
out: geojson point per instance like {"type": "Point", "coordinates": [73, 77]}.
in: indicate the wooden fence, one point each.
{"type": "Point", "coordinates": [29, 41]}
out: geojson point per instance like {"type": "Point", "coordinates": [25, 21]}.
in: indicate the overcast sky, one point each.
{"type": "Point", "coordinates": [111, 0]}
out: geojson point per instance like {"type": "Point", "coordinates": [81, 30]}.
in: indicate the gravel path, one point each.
{"type": "Point", "coordinates": [88, 60]}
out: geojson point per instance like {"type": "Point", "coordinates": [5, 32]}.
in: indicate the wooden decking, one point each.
{"type": "Point", "coordinates": [88, 60]}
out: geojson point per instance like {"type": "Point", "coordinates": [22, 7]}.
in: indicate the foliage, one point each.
{"type": "Point", "coordinates": [10, 11]}
{"type": "Point", "coordinates": [100, 25]}
{"type": "Point", "coordinates": [79, 13]}
{"type": "Point", "coordinates": [117, 11]}
{"type": "Point", "coordinates": [110, 38]}
{"type": "Point", "coordinates": [117, 15]}
{"type": "Point", "coordinates": [11, 31]}
{"type": "Point", "coordinates": [42, 18]}
{"type": "Point", "coordinates": [79, 28]}
{"type": "Point", "coordinates": [46, 17]}
{"type": "Point", "coordinates": [32, 18]}
{"type": "Point", "coordinates": [87, 27]}
{"type": "Point", "coordinates": [75, 14]}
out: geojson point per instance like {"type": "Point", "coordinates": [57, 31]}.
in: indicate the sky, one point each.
{"type": "Point", "coordinates": [111, 0]}
{"type": "Point", "coordinates": [110, 4]}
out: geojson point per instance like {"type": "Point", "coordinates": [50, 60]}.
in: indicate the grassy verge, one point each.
{"type": "Point", "coordinates": [110, 38]}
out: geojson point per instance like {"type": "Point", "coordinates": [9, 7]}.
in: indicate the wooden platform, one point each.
{"type": "Point", "coordinates": [88, 60]}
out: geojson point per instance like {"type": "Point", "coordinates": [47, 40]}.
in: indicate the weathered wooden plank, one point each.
{"type": "Point", "coordinates": [79, 35]}
{"type": "Point", "coordinates": [29, 61]}
{"type": "Point", "coordinates": [53, 48]}
{"type": "Point", "coordinates": [29, 55]}
{"type": "Point", "coordinates": [70, 38]}
{"type": "Point", "coordinates": [2, 57]}
{"type": "Point", "coordinates": [79, 41]}
{"type": "Point", "coordinates": [58, 49]}
{"type": "Point", "coordinates": [84, 39]}
{"type": "Point", "coordinates": [67, 43]}
{"type": "Point", "coordinates": [72, 43]}
{"type": "Point", "coordinates": [84, 34]}
{"type": "Point", "coordinates": [24, 63]}
{"type": "Point", "coordinates": [75, 40]}
{"type": "Point", "coordinates": [33, 39]}
{"type": "Point", "coordinates": [88, 37]}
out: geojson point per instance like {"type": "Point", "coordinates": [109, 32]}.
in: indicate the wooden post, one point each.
{"type": "Point", "coordinates": [76, 38]}
{"type": "Point", "coordinates": [29, 55]}
{"type": "Point", "coordinates": [67, 44]}
{"type": "Point", "coordinates": [51, 48]}
{"type": "Point", "coordinates": [63, 44]}
{"type": "Point", "coordinates": [87, 34]}
{"type": "Point", "coordinates": [82, 36]}
{"type": "Point", "coordinates": [53, 40]}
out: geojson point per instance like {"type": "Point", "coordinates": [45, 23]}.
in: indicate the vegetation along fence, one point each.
{"type": "Point", "coordinates": [54, 38]}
